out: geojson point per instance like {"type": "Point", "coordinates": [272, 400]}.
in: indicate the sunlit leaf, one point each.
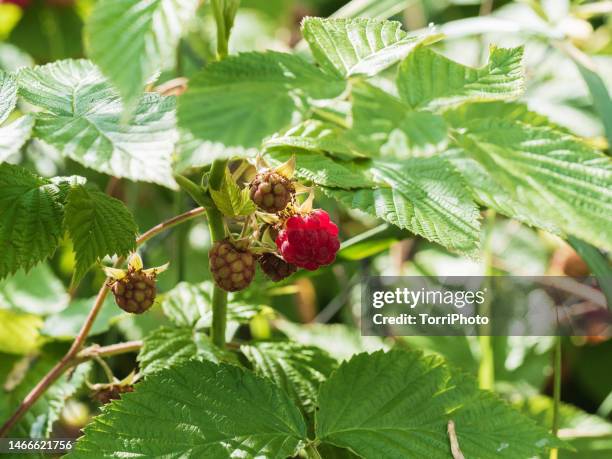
{"type": "Point", "coordinates": [82, 118]}
{"type": "Point", "coordinates": [359, 46]}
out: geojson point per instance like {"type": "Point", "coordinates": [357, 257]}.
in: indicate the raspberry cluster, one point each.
{"type": "Point", "coordinates": [304, 238]}
{"type": "Point", "coordinates": [233, 269]}
{"type": "Point", "coordinates": [309, 241]}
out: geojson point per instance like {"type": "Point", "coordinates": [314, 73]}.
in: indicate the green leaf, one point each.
{"type": "Point", "coordinates": [65, 325]}
{"type": "Point", "coordinates": [12, 58]}
{"type": "Point", "coordinates": [487, 426]}
{"type": "Point", "coordinates": [485, 187]}
{"type": "Point", "coordinates": [37, 292]}
{"type": "Point", "coordinates": [602, 102]}
{"type": "Point", "coordinates": [398, 404]}
{"type": "Point", "coordinates": [19, 332]}
{"type": "Point", "coordinates": [99, 225]}
{"type": "Point", "coordinates": [30, 219]}
{"type": "Point", "coordinates": [8, 95]}
{"type": "Point", "coordinates": [234, 414]}
{"type": "Point", "coordinates": [509, 111]}
{"type": "Point", "coordinates": [371, 242]}
{"type": "Point", "coordinates": [541, 176]}
{"type": "Point", "coordinates": [311, 135]}
{"type": "Point", "coordinates": [377, 9]}
{"type": "Point", "coordinates": [230, 199]}
{"type": "Point", "coordinates": [138, 326]}
{"type": "Point", "coordinates": [82, 117]}
{"type": "Point", "coordinates": [299, 370]}
{"type": "Point", "coordinates": [591, 448]}
{"type": "Point", "coordinates": [424, 195]}
{"type": "Point", "coordinates": [427, 79]}
{"type": "Point", "coordinates": [339, 340]}
{"type": "Point", "coordinates": [385, 126]}
{"type": "Point", "coordinates": [573, 421]}
{"type": "Point", "coordinates": [192, 153]}
{"type": "Point", "coordinates": [168, 347]}
{"type": "Point", "coordinates": [187, 303]}
{"type": "Point", "coordinates": [263, 88]}
{"type": "Point", "coordinates": [487, 191]}
{"type": "Point", "coordinates": [190, 305]}
{"type": "Point", "coordinates": [323, 170]}
{"type": "Point", "coordinates": [14, 135]}
{"type": "Point", "coordinates": [133, 40]}
{"type": "Point", "coordinates": [360, 46]}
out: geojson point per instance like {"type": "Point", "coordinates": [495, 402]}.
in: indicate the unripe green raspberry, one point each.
{"type": "Point", "coordinates": [136, 292]}
{"type": "Point", "coordinates": [232, 269]}
{"type": "Point", "coordinates": [271, 191]}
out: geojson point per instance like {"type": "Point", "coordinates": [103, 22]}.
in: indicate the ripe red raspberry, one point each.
{"type": "Point", "coordinates": [275, 267]}
{"type": "Point", "coordinates": [233, 269]}
{"type": "Point", "coordinates": [309, 241]}
{"type": "Point", "coordinates": [271, 191]}
{"type": "Point", "coordinates": [135, 292]}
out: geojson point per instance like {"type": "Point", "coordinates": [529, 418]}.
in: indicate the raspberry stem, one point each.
{"type": "Point", "coordinates": [217, 233]}
{"type": "Point", "coordinates": [222, 33]}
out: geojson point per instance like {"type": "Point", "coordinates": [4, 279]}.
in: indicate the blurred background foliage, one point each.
{"type": "Point", "coordinates": [568, 62]}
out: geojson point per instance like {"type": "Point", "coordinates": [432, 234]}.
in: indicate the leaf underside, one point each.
{"type": "Point", "coordinates": [83, 119]}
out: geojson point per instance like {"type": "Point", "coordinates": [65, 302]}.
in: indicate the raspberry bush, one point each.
{"type": "Point", "coordinates": [199, 214]}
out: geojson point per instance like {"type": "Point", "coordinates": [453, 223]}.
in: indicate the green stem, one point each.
{"type": "Point", "coordinates": [215, 224]}
{"type": "Point", "coordinates": [312, 452]}
{"type": "Point", "coordinates": [222, 35]}
{"type": "Point", "coordinates": [486, 369]}
{"type": "Point", "coordinates": [196, 192]}
{"type": "Point", "coordinates": [217, 233]}
{"type": "Point", "coordinates": [107, 371]}
{"type": "Point", "coordinates": [556, 392]}
{"type": "Point", "coordinates": [219, 319]}
{"type": "Point", "coordinates": [217, 173]}
{"type": "Point", "coordinates": [219, 297]}
{"type": "Point", "coordinates": [180, 238]}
